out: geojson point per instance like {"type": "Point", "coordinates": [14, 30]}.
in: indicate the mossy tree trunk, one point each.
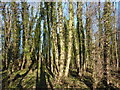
{"type": "Point", "coordinates": [62, 41]}
{"type": "Point", "coordinates": [70, 38]}
{"type": "Point", "coordinates": [107, 40]}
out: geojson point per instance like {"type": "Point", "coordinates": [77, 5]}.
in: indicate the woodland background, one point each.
{"type": "Point", "coordinates": [60, 45]}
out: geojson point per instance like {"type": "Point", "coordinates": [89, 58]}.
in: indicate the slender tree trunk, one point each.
{"type": "Point", "coordinates": [80, 40]}
{"type": "Point", "coordinates": [62, 41]}
{"type": "Point", "coordinates": [88, 37]}
{"type": "Point", "coordinates": [107, 40]}
{"type": "Point", "coordinates": [16, 35]}
{"type": "Point", "coordinates": [55, 39]}
{"type": "Point", "coordinates": [49, 32]}
{"type": "Point", "coordinates": [25, 19]}
{"type": "Point", "coordinates": [70, 39]}
{"type": "Point", "coordinates": [7, 36]}
{"type": "Point", "coordinates": [118, 40]}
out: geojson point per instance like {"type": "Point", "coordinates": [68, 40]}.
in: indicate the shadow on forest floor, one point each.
{"type": "Point", "coordinates": [102, 84]}
{"type": "Point", "coordinates": [44, 80]}
{"type": "Point", "coordinates": [88, 79]}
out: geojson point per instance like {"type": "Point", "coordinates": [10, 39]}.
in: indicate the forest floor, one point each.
{"type": "Point", "coordinates": [21, 80]}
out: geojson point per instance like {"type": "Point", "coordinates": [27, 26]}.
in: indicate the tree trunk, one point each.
{"type": "Point", "coordinates": [70, 39]}
{"type": "Point", "coordinates": [62, 41]}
